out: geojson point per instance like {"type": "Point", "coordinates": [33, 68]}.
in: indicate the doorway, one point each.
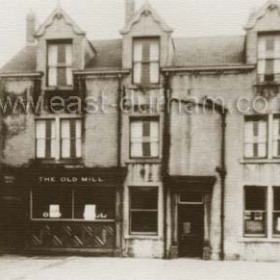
{"type": "Point", "coordinates": [190, 226]}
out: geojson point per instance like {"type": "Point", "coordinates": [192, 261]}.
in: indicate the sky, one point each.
{"type": "Point", "coordinates": [102, 19]}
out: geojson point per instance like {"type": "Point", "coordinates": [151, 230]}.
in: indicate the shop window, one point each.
{"type": "Point", "coordinates": [255, 213]}
{"type": "Point", "coordinates": [60, 63]}
{"type": "Point", "coordinates": [268, 57]}
{"type": "Point", "coordinates": [82, 204]}
{"type": "Point", "coordinates": [146, 60]}
{"type": "Point", "coordinates": [56, 204]}
{"type": "Point", "coordinates": [255, 137]}
{"type": "Point", "coordinates": [71, 134]}
{"type": "Point", "coordinates": [94, 204]}
{"type": "Point", "coordinates": [143, 210]}
{"type": "Point", "coordinates": [144, 138]}
{"type": "Point", "coordinates": [45, 138]}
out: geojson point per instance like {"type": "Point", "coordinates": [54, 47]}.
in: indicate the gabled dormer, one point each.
{"type": "Point", "coordinates": [263, 47]}
{"type": "Point", "coordinates": [147, 44]}
{"type": "Point", "coordinates": [62, 47]}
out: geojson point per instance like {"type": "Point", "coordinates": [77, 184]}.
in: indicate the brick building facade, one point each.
{"type": "Point", "coordinates": [138, 146]}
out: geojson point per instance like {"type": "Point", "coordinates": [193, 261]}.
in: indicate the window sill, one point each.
{"type": "Point", "coordinates": [259, 240]}
{"type": "Point", "coordinates": [143, 237]}
{"type": "Point", "coordinates": [144, 160]}
{"type": "Point", "coordinates": [75, 161]}
{"type": "Point", "coordinates": [139, 87]}
{"type": "Point", "coordinates": [73, 220]}
{"type": "Point", "coordinates": [260, 161]}
{"type": "Point", "coordinates": [60, 88]}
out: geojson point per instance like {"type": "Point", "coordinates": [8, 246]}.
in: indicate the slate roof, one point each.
{"type": "Point", "coordinates": [196, 51]}
{"type": "Point", "coordinates": [206, 51]}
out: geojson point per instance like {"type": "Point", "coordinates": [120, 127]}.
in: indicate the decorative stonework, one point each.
{"type": "Point", "coordinates": [59, 13]}
{"type": "Point", "coordinates": [259, 14]}
{"type": "Point", "coordinates": [146, 10]}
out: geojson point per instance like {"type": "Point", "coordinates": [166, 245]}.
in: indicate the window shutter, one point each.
{"type": "Point", "coordinates": [40, 139]}
{"type": "Point", "coordinates": [69, 63]}
{"type": "Point", "coordinates": [154, 65]}
{"type": "Point", "coordinates": [65, 138]}
{"type": "Point", "coordinates": [276, 133]}
{"type": "Point", "coordinates": [262, 138]}
{"type": "Point", "coordinates": [154, 139]}
{"type": "Point", "coordinates": [136, 139]}
{"type": "Point", "coordinates": [145, 75]}
{"type": "Point", "coordinates": [138, 51]}
{"type": "Point", "coordinates": [249, 139]}
{"type": "Point", "coordinates": [78, 138]}
{"type": "Point", "coordinates": [52, 64]}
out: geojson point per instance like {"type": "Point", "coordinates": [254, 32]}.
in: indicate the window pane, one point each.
{"type": "Point", "coordinates": [136, 150]}
{"type": "Point", "coordinates": [61, 76]}
{"type": "Point", "coordinates": [61, 53]}
{"type": "Point", "coordinates": [41, 148]}
{"type": "Point", "coordinates": [255, 198]}
{"type": "Point", "coordinates": [52, 81]}
{"type": "Point", "coordinates": [276, 195]}
{"type": "Point", "coordinates": [54, 203]}
{"type": "Point", "coordinates": [94, 204]}
{"type": "Point", "coordinates": [255, 222]}
{"type": "Point", "coordinates": [144, 198]}
{"type": "Point", "coordinates": [137, 72]}
{"type": "Point", "coordinates": [154, 72]}
{"type": "Point", "coordinates": [145, 222]}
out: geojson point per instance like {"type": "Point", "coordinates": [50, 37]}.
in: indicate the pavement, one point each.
{"type": "Point", "coordinates": [86, 268]}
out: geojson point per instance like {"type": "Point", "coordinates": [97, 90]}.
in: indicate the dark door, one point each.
{"type": "Point", "coordinates": [190, 230]}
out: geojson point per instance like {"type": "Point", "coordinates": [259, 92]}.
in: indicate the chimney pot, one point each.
{"type": "Point", "coordinates": [129, 10]}
{"type": "Point", "coordinates": [30, 28]}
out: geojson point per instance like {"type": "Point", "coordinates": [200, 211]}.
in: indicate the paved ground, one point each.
{"type": "Point", "coordinates": [78, 268]}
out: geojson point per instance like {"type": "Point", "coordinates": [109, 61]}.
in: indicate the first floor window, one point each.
{"type": "Point", "coordinates": [71, 138]}
{"type": "Point", "coordinates": [143, 210]}
{"type": "Point", "coordinates": [45, 138]}
{"type": "Point", "coordinates": [276, 136]}
{"type": "Point", "coordinates": [58, 138]}
{"type": "Point", "coordinates": [255, 137]}
{"type": "Point", "coordinates": [144, 138]}
{"type": "Point", "coordinates": [255, 210]}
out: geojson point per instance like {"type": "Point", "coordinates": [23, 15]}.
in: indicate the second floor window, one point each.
{"type": "Point", "coordinates": [58, 139]}
{"type": "Point", "coordinates": [60, 62]}
{"type": "Point", "coordinates": [269, 57]}
{"type": "Point", "coordinates": [146, 59]}
{"type": "Point", "coordinates": [255, 135]}
{"type": "Point", "coordinates": [144, 138]}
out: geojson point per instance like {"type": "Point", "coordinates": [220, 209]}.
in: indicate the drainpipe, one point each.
{"type": "Point", "coordinates": [222, 170]}
{"type": "Point", "coordinates": [166, 154]}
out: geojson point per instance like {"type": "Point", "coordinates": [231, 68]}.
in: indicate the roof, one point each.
{"type": "Point", "coordinates": [23, 62]}
{"type": "Point", "coordinates": [196, 51]}
{"type": "Point", "coordinates": [206, 51]}
{"type": "Point", "coordinates": [108, 54]}
{"type": "Point", "coordinates": [260, 13]}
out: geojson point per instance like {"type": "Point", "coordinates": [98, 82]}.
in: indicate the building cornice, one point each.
{"type": "Point", "coordinates": [222, 68]}
{"type": "Point", "coordinates": [19, 75]}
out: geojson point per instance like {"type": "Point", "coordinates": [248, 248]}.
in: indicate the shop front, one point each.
{"type": "Point", "coordinates": [72, 210]}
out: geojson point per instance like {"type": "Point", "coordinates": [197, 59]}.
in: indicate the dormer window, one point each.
{"type": "Point", "coordinates": [146, 61]}
{"type": "Point", "coordinates": [269, 57]}
{"type": "Point", "coordinates": [60, 64]}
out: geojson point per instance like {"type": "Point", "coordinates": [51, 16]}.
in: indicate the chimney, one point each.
{"type": "Point", "coordinates": [129, 10]}
{"type": "Point", "coordinates": [30, 28]}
